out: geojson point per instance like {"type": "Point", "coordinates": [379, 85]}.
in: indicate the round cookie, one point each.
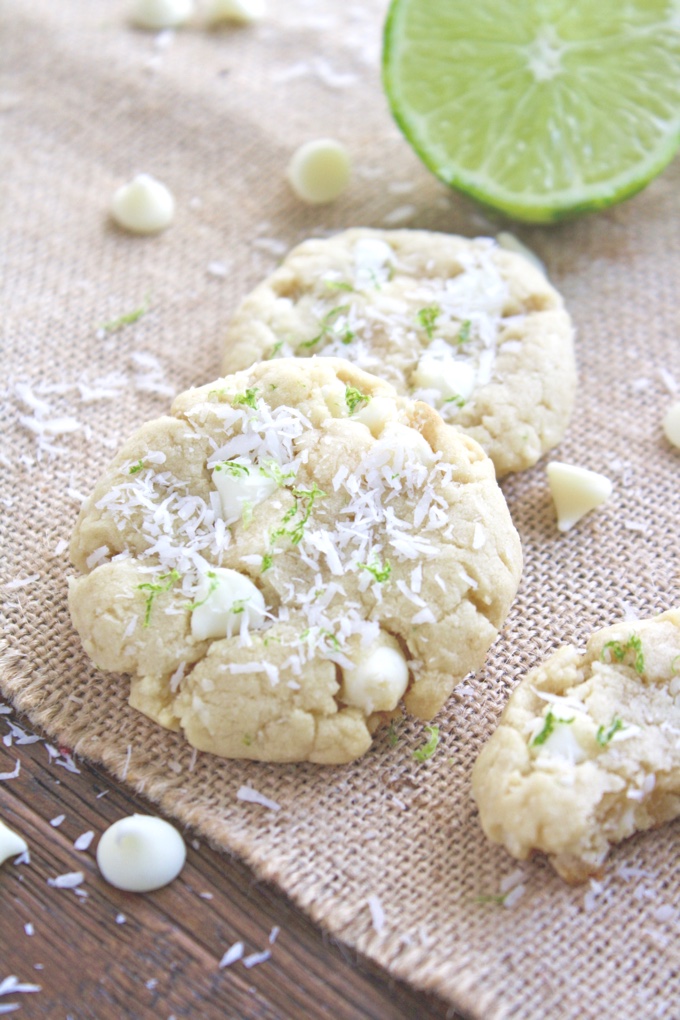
{"type": "Point", "coordinates": [287, 556]}
{"type": "Point", "coordinates": [476, 331]}
{"type": "Point", "coordinates": [586, 752]}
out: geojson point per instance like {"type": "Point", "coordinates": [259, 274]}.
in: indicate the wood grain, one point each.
{"type": "Point", "coordinates": [163, 960]}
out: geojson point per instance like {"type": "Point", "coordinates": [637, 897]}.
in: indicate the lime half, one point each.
{"type": "Point", "coordinates": [538, 108]}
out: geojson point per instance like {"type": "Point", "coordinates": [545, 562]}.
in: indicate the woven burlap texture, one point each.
{"type": "Point", "coordinates": [86, 102]}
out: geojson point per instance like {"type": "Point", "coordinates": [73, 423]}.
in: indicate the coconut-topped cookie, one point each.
{"type": "Point", "coordinates": [474, 330]}
{"type": "Point", "coordinates": [586, 752]}
{"type": "Point", "coordinates": [288, 556]}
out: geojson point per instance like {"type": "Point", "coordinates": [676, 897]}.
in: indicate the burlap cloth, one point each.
{"type": "Point", "coordinates": [86, 102]}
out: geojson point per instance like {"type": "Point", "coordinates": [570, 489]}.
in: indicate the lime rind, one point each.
{"type": "Point", "coordinates": [531, 123]}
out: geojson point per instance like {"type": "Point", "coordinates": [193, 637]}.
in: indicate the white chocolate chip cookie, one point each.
{"type": "Point", "coordinates": [360, 554]}
{"type": "Point", "coordinates": [586, 752]}
{"type": "Point", "coordinates": [474, 330]}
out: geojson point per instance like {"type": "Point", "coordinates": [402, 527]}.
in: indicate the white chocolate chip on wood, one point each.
{"type": "Point", "coordinates": [11, 844]}
{"type": "Point", "coordinates": [140, 853]}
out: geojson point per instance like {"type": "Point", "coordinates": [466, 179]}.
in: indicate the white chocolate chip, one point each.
{"type": "Point", "coordinates": [671, 424]}
{"type": "Point", "coordinates": [575, 491]}
{"type": "Point", "coordinates": [242, 12]}
{"type": "Point", "coordinates": [319, 171]}
{"type": "Point", "coordinates": [158, 14]}
{"type": "Point", "coordinates": [11, 844]}
{"type": "Point", "coordinates": [224, 602]}
{"type": "Point", "coordinates": [378, 681]}
{"type": "Point", "coordinates": [144, 206]}
{"type": "Point", "coordinates": [375, 414]}
{"type": "Point", "coordinates": [450, 377]}
{"type": "Point", "coordinates": [140, 853]}
{"type": "Point", "coordinates": [397, 441]}
{"type": "Point", "coordinates": [373, 260]}
{"type": "Point", "coordinates": [334, 397]}
{"type": "Point", "coordinates": [241, 485]}
{"type": "Point", "coordinates": [562, 744]}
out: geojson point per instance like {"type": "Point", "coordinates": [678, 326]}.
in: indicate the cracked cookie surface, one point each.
{"type": "Point", "coordinates": [586, 751]}
{"type": "Point", "coordinates": [287, 556]}
{"type": "Point", "coordinates": [476, 331]}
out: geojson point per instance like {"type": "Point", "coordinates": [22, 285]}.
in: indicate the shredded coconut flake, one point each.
{"type": "Point", "coordinates": [514, 895]}
{"type": "Point", "coordinates": [377, 913]}
{"type": "Point", "coordinates": [70, 880]}
{"type": "Point", "coordinates": [232, 954]}
{"type": "Point", "coordinates": [252, 796]}
{"type": "Point", "coordinates": [255, 958]}
{"type": "Point", "coordinates": [22, 582]}
{"type": "Point", "coordinates": [12, 986]}
{"type": "Point", "coordinates": [83, 841]}
{"type": "Point", "coordinates": [11, 775]}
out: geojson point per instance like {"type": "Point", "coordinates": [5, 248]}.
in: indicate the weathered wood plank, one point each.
{"type": "Point", "coordinates": [163, 961]}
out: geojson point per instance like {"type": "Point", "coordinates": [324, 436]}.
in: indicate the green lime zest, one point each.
{"type": "Point", "coordinates": [267, 561]}
{"type": "Point", "coordinates": [214, 583]}
{"type": "Point", "coordinates": [233, 467]}
{"type": "Point", "coordinates": [464, 332]}
{"type": "Point", "coordinates": [326, 326]}
{"type": "Point", "coordinates": [354, 397]}
{"type": "Point", "coordinates": [427, 318]}
{"type": "Point", "coordinates": [249, 398]}
{"type": "Point", "coordinates": [339, 285]}
{"type": "Point", "coordinates": [270, 469]}
{"type": "Point", "coordinates": [330, 639]}
{"type": "Point", "coordinates": [456, 399]}
{"type": "Point", "coordinates": [428, 749]}
{"type": "Point", "coordinates": [136, 468]}
{"type": "Point", "coordinates": [381, 571]}
{"type": "Point", "coordinates": [605, 733]}
{"type": "Point", "coordinates": [549, 724]}
{"type": "Point", "coordinates": [618, 651]}
{"type": "Point", "coordinates": [113, 325]}
{"type": "Point", "coordinates": [275, 350]}
{"type": "Point", "coordinates": [154, 588]}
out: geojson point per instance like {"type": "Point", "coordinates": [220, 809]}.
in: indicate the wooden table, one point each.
{"type": "Point", "coordinates": [112, 955]}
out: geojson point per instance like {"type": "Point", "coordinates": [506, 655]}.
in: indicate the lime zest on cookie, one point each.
{"type": "Point", "coordinates": [551, 720]}
{"type": "Point", "coordinates": [155, 588]}
{"type": "Point", "coordinates": [619, 651]}
{"type": "Point", "coordinates": [327, 329]}
{"type": "Point", "coordinates": [249, 398]}
{"type": "Point", "coordinates": [380, 571]}
{"type": "Point", "coordinates": [427, 318]}
{"type": "Point", "coordinates": [605, 734]}
{"type": "Point", "coordinates": [354, 397]}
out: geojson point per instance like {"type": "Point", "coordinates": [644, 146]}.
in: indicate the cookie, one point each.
{"type": "Point", "coordinates": [586, 752]}
{"type": "Point", "coordinates": [476, 331]}
{"type": "Point", "coordinates": [287, 556]}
